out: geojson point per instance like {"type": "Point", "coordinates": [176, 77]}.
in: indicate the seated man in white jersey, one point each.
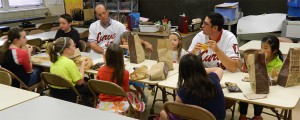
{"type": "Point", "coordinates": [106, 30]}
{"type": "Point", "coordinates": [222, 44]}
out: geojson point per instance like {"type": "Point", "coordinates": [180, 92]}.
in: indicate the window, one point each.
{"type": "Point", "coordinates": [20, 3]}
{"type": "Point", "coordinates": [0, 3]}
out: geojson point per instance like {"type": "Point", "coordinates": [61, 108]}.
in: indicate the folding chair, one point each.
{"type": "Point", "coordinates": [82, 46]}
{"type": "Point", "coordinates": [56, 80]}
{"type": "Point", "coordinates": [36, 43]}
{"type": "Point", "coordinates": [186, 111]}
{"type": "Point", "coordinates": [5, 78]}
{"type": "Point", "coordinates": [109, 88]}
{"type": "Point", "coordinates": [22, 84]}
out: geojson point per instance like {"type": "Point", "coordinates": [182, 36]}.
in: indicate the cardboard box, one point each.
{"type": "Point", "coordinates": [228, 10]}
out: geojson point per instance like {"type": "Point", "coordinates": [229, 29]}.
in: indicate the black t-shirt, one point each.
{"type": "Point", "coordinates": [73, 34]}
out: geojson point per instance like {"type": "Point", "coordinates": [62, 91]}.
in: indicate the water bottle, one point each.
{"type": "Point", "coordinates": [169, 27]}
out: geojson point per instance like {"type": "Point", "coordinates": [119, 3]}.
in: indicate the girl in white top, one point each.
{"type": "Point", "coordinates": [178, 51]}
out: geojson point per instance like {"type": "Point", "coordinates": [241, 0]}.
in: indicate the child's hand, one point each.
{"type": "Point", "coordinates": [124, 46]}
{"type": "Point", "coordinates": [28, 48]}
{"type": "Point", "coordinates": [84, 61]}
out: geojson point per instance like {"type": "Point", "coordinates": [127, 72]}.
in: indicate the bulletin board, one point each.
{"type": "Point", "coordinates": [72, 4]}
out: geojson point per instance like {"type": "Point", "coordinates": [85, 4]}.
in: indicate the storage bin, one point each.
{"type": "Point", "coordinates": [149, 28]}
{"type": "Point", "coordinates": [294, 11]}
{"type": "Point", "coordinates": [231, 13]}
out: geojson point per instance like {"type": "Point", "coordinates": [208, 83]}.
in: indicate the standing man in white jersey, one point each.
{"type": "Point", "coordinates": [222, 44]}
{"type": "Point", "coordinates": [106, 30]}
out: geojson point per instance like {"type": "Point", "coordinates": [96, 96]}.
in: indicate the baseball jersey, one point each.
{"type": "Point", "coordinates": [227, 43]}
{"type": "Point", "coordinates": [104, 36]}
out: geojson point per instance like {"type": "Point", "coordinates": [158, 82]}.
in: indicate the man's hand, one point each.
{"type": "Point", "coordinates": [213, 46]}
{"type": "Point", "coordinates": [149, 47]}
{"type": "Point", "coordinates": [197, 48]}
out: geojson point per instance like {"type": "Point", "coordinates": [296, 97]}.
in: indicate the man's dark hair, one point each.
{"type": "Point", "coordinates": [216, 19]}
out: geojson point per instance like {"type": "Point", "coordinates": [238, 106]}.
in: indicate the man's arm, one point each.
{"type": "Point", "coordinates": [228, 62]}
{"type": "Point", "coordinates": [147, 45]}
{"type": "Point", "coordinates": [96, 48]}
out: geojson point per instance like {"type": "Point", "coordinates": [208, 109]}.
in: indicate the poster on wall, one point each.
{"type": "Point", "coordinates": [73, 4]}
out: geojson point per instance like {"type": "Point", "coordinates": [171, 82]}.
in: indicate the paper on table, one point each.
{"type": "Point", "coordinates": [260, 23]}
{"type": "Point", "coordinates": [252, 96]}
{"type": "Point", "coordinates": [228, 4]}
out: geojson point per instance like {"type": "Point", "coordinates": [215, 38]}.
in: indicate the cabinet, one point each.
{"type": "Point", "coordinates": [119, 9]}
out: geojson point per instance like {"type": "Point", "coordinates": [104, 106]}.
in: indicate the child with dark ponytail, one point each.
{"type": "Point", "coordinates": [15, 57]}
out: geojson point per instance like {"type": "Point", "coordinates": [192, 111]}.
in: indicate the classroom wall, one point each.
{"type": "Point", "coordinates": [56, 7]}
{"type": "Point", "coordinates": [157, 9]}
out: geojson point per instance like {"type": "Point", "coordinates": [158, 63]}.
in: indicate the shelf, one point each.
{"type": "Point", "coordinates": [114, 11]}
{"type": "Point", "coordinates": [124, 11]}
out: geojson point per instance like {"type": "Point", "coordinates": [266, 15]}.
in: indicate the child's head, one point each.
{"type": "Point", "coordinates": [270, 46]}
{"type": "Point", "coordinates": [124, 38]}
{"type": "Point", "coordinates": [114, 59]}
{"type": "Point", "coordinates": [176, 43]}
{"type": "Point", "coordinates": [176, 40]}
{"type": "Point", "coordinates": [62, 45]}
{"type": "Point", "coordinates": [15, 36]}
{"type": "Point", "coordinates": [194, 79]}
{"type": "Point", "coordinates": [65, 22]}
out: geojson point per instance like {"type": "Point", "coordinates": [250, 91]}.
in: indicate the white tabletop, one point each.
{"type": "Point", "coordinates": [255, 44]}
{"type": "Point", "coordinates": [10, 96]}
{"type": "Point", "coordinates": [51, 34]}
{"type": "Point", "coordinates": [47, 108]}
{"type": "Point", "coordinates": [279, 97]}
{"type": "Point", "coordinates": [129, 66]}
{"type": "Point", "coordinates": [93, 56]}
{"type": "Point", "coordinates": [276, 98]}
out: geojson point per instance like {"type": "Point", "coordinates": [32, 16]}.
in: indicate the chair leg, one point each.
{"type": "Point", "coordinates": [233, 110]}
{"type": "Point", "coordinates": [153, 103]}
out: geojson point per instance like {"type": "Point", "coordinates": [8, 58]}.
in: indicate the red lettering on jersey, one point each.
{"type": "Point", "coordinates": [206, 51]}
{"type": "Point", "coordinates": [210, 58]}
{"type": "Point", "coordinates": [235, 48]}
{"type": "Point", "coordinates": [105, 37]}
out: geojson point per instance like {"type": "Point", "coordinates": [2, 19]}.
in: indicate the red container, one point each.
{"type": "Point", "coordinates": [183, 24]}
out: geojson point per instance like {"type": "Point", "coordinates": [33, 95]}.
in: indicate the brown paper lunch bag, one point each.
{"type": "Point", "coordinates": [159, 71]}
{"type": "Point", "coordinates": [140, 73]}
{"type": "Point", "coordinates": [137, 53]}
{"type": "Point", "coordinates": [259, 79]}
{"type": "Point", "coordinates": [165, 52]}
{"type": "Point", "coordinates": [289, 74]}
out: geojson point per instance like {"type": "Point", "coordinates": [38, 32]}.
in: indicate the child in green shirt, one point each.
{"type": "Point", "coordinates": [269, 46]}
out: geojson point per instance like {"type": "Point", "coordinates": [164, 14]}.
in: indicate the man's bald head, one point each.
{"type": "Point", "coordinates": [100, 7]}
{"type": "Point", "coordinates": [102, 13]}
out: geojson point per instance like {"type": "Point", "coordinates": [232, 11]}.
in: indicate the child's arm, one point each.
{"type": "Point", "coordinates": [177, 99]}
{"type": "Point", "coordinates": [84, 62]}
{"type": "Point", "coordinates": [124, 46]}
{"type": "Point", "coordinates": [217, 70]}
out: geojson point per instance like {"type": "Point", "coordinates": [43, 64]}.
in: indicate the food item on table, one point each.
{"type": "Point", "coordinates": [78, 60]}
